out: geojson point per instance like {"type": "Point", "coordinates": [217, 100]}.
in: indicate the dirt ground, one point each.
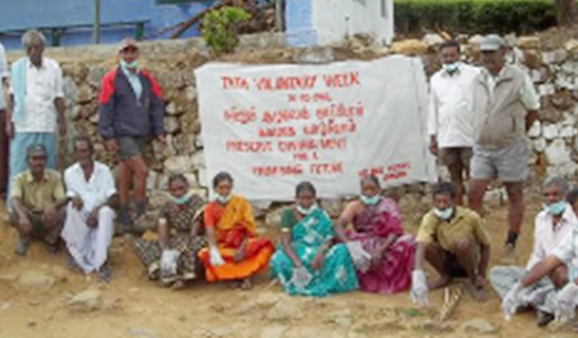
{"type": "Point", "coordinates": [134, 307]}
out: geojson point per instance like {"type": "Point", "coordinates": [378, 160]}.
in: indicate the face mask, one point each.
{"type": "Point", "coordinates": [444, 214]}
{"type": "Point", "coordinates": [183, 199]}
{"type": "Point", "coordinates": [451, 67]}
{"type": "Point", "coordinates": [304, 211]}
{"type": "Point", "coordinates": [133, 64]}
{"type": "Point", "coordinates": [555, 209]}
{"type": "Point", "coordinates": [370, 200]}
{"type": "Point", "coordinates": [223, 199]}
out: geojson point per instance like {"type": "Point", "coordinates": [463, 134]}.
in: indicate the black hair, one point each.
{"type": "Point", "coordinates": [83, 138]}
{"type": "Point", "coordinates": [178, 177]}
{"type": "Point", "coordinates": [444, 188]}
{"type": "Point", "coordinates": [449, 44]}
{"type": "Point", "coordinates": [305, 186]}
{"type": "Point", "coordinates": [373, 179]}
{"type": "Point", "coordinates": [222, 176]}
{"type": "Point", "coordinates": [572, 196]}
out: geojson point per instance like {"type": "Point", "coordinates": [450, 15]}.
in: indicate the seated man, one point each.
{"type": "Point", "coordinates": [88, 229]}
{"type": "Point", "coordinates": [37, 197]}
{"type": "Point", "coordinates": [552, 224]}
{"type": "Point", "coordinates": [561, 264]}
{"type": "Point", "coordinates": [453, 240]}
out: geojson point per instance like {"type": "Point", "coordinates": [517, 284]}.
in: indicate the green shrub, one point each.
{"type": "Point", "coordinates": [219, 28]}
{"type": "Point", "coordinates": [473, 16]}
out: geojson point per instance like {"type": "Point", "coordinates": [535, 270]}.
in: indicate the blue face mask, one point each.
{"type": "Point", "coordinates": [451, 67]}
{"type": "Point", "coordinates": [304, 211]}
{"type": "Point", "coordinates": [183, 199]}
{"type": "Point", "coordinates": [444, 214]}
{"type": "Point", "coordinates": [370, 200]}
{"type": "Point", "coordinates": [133, 64]}
{"type": "Point", "coordinates": [555, 209]}
{"type": "Point", "coordinates": [223, 199]}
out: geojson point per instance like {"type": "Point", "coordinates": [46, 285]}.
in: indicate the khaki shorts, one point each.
{"type": "Point", "coordinates": [454, 155]}
{"type": "Point", "coordinates": [508, 163]}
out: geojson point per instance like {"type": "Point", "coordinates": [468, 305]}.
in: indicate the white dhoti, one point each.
{"type": "Point", "coordinates": [88, 246]}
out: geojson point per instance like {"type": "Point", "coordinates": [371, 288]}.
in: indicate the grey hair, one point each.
{"type": "Point", "coordinates": [31, 34]}
{"type": "Point", "coordinates": [559, 182]}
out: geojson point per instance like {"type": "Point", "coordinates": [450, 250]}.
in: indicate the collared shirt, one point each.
{"type": "Point", "coordinates": [134, 80]}
{"type": "Point", "coordinates": [528, 95]}
{"type": "Point", "coordinates": [95, 191]}
{"type": "Point", "coordinates": [451, 116]}
{"type": "Point", "coordinates": [548, 235]}
{"type": "Point", "coordinates": [465, 224]}
{"type": "Point", "coordinates": [43, 85]}
{"type": "Point", "coordinates": [4, 74]}
{"type": "Point", "coordinates": [36, 196]}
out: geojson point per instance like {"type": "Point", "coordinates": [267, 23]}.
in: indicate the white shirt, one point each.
{"type": "Point", "coordinates": [528, 95]}
{"type": "Point", "coordinates": [567, 250]}
{"type": "Point", "coordinates": [451, 116]}
{"type": "Point", "coordinates": [94, 192]}
{"type": "Point", "coordinates": [4, 73]}
{"type": "Point", "coordinates": [547, 236]}
{"type": "Point", "coordinates": [43, 85]}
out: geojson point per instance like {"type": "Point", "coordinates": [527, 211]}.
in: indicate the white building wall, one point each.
{"type": "Point", "coordinates": [335, 19]}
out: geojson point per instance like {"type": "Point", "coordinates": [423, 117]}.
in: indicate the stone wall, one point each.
{"type": "Point", "coordinates": [554, 72]}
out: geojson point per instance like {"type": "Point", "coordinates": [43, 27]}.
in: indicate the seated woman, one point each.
{"type": "Point", "coordinates": [308, 262]}
{"type": "Point", "coordinates": [177, 236]}
{"type": "Point", "coordinates": [377, 228]}
{"type": "Point", "coordinates": [235, 253]}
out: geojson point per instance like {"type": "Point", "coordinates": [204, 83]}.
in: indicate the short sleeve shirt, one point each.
{"type": "Point", "coordinates": [466, 224]}
{"type": "Point", "coordinates": [36, 196]}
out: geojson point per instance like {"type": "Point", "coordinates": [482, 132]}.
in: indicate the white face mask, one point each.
{"type": "Point", "coordinates": [444, 214]}
{"type": "Point", "coordinates": [451, 67]}
{"type": "Point", "coordinates": [373, 200]}
{"type": "Point", "coordinates": [223, 199]}
{"type": "Point", "coordinates": [304, 211]}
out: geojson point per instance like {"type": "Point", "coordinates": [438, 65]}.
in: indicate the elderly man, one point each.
{"type": "Point", "coordinates": [4, 84]}
{"type": "Point", "coordinates": [552, 225]}
{"type": "Point", "coordinates": [131, 111]}
{"type": "Point", "coordinates": [37, 197]}
{"type": "Point", "coordinates": [453, 240]}
{"type": "Point", "coordinates": [561, 265]}
{"type": "Point", "coordinates": [505, 107]}
{"type": "Point", "coordinates": [37, 103]}
{"type": "Point", "coordinates": [450, 122]}
{"type": "Point", "coordinates": [88, 228]}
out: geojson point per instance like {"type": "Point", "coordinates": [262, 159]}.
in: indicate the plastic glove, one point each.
{"type": "Point", "coordinates": [301, 277]}
{"type": "Point", "coordinates": [361, 258]}
{"type": "Point", "coordinates": [567, 298]}
{"type": "Point", "coordinates": [419, 287]}
{"type": "Point", "coordinates": [215, 257]}
{"type": "Point", "coordinates": [513, 300]}
{"type": "Point", "coordinates": [169, 262]}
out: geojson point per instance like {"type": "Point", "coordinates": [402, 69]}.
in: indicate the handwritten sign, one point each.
{"type": "Point", "coordinates": [274, 126]}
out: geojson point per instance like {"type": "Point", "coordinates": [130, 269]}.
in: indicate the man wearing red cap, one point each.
{"type": "Point", "coordinates": [131, 112]}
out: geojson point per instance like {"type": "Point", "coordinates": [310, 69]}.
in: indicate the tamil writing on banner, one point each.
{"type": "Point", "coordinates": [274, 126]}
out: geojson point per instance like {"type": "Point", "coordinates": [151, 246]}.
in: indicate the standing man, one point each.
{"type": "Point", "coordinates": [450, 122]}
{"type": "Point", "coordinates": [131, 111]}
{"type": "Point", "coordinates": [88, 228]}
{"type": "Point", "coordinates": [4, 85]}
{"type": "Point", "coordinates": [37, 103]}
{"type": "Point", "coordinates": [505, 107]}
{"type": "Point", "coordinates": [37, 197]}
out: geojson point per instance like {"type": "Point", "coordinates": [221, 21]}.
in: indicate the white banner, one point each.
{"type": "Point", "coordinates": [274, 126]}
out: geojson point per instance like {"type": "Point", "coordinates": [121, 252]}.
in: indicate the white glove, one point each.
{"type": "Point", "coordinates": [169, 260]}
{"type": "Point", "coordinates": [301, 277]}
{"type": "Point", "coordinates": [361, 258]}
{"type": "Point", "coordinates": [513, 300]}
{"type": "Point", "coordinates": [418, 287]}
{"type": "Point", "coordinates": [215, 257]}
{"type": "Point", "coordinates": [567, 298]}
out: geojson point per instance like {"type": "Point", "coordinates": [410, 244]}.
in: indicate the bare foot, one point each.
{"type": "Point", "coordinates": [440, 283]}
{"type": "Point", "coordinates": [235, 284]}
{"type": "Point", "coordinates": [178, 285]}
{"type": "Point", "coordinates": [246, 284]}
{"type": "Point", "coordinates": [477, 292]}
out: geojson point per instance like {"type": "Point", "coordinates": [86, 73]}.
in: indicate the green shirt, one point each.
{"type": "Point", "coordinates": [36, 196]}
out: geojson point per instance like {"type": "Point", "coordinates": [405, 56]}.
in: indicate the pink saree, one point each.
{"type": "Point", "coordinates": [372, 226]}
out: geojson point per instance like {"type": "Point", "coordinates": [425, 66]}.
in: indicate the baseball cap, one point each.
{"type": "Point", "coordinates": [491, 43]}
{"type": "Point", "coordinates": [127, 42]}
{"type": "Point", "coordinates": [36, 150]}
